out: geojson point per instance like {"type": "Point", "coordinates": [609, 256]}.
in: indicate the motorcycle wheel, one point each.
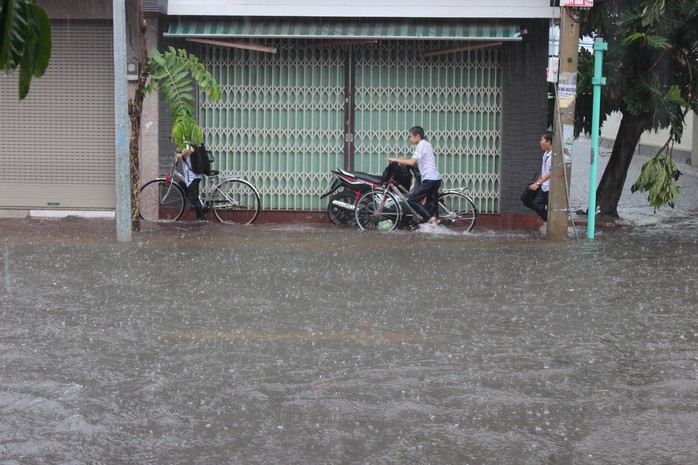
{"type": "Point", "coordinates": [339, 215]}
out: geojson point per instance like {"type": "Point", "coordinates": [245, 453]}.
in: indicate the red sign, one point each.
{"type": "Point", "coordinates": [578, 3]}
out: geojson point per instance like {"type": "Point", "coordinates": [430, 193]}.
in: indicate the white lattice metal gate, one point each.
{"type": "Point", "coordinates": [455, 97]}
{"type": "Point", "coordinates": [282, 120]}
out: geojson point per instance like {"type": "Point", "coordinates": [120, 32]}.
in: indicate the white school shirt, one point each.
{"type": "Point", "coordinates": [426, 162]}
{"type": "Point", "coordinates": [188, 174]}
{"type": "Point", "coordinates": [545, 169]}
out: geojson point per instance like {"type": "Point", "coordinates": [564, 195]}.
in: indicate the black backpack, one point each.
{"type": "Point", "coordinates": [200, 160]}
{"type": "Point", "coordinates": [400, 175]}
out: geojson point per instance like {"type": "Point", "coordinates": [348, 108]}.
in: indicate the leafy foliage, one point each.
{"type": "Point", "coordinates": [174, 73]}
{"type": "Point", "coordinates": [651, 69]}
{"type": "Point", "coordinates": [585, 96]}
{"type": "Point", "coordinates": [657, 179]}
{"type": "Point", "coordinates": [25, 41]}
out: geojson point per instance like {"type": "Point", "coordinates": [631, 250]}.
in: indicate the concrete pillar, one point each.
{"type": "Point", "coordinates": [122, 126]}
{"type": "Point", "coordinates": [558, 208]}
{"type": "Point", "coordinates": [150, 123]}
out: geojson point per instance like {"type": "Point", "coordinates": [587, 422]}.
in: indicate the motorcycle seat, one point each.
{"type": "Point", "coordinates": [376, 179]}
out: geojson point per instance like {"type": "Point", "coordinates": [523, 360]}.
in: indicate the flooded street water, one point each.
{"type": "Point", "coordinates": [307, 345]}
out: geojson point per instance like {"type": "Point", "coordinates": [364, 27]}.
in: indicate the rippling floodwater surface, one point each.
{"type": "Point", "coordinates": [301, 345]}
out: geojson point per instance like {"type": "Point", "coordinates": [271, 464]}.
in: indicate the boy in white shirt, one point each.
{"type": "Point", "coordinates": [430, 183]}
{"type": "Point", "coordinates": [542, 184]}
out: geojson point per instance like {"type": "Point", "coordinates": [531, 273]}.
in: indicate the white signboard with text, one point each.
{"type": "Point", "coordinates": [578, 3]}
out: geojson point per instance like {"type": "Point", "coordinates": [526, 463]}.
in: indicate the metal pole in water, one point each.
{"type": "Point", "coordinates": [121, 126]}
{"type": "Point", "coordinates": [597, 81]}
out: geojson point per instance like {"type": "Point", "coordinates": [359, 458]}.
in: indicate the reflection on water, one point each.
{"type": "Point", "coordinates": [259, 345]}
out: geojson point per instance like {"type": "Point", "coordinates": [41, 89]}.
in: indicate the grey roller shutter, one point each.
{"type": "Point", "coordinates": [58, 143]}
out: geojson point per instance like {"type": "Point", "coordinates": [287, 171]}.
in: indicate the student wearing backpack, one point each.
{"type": "Point", "coordinates": [428, 187]}
{"type": "Point", "coordinates": [192, 181]}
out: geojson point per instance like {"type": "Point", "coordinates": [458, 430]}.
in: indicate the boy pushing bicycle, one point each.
{"type": "Point", "coordinates": [192, 181]}
{"type": "Point", "coordinates": [430, 183]}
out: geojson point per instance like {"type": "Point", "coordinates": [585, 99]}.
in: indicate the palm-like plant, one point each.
{"type": "Point", "coordinates": [174, 73]}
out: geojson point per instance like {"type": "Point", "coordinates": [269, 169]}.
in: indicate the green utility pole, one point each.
{"type": "Point", "coordinates": [558, 208]}
{"type": "Point", "coordinates": [599, 47]}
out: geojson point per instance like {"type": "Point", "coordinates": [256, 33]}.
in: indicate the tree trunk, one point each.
{"type": "Point", "coordinates": [135, 109]}
{"type": "Point", "coordinates": [610, 187]}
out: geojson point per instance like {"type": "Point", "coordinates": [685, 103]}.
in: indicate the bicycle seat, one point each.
{"type": "Point", "coordinates": [214, 173]}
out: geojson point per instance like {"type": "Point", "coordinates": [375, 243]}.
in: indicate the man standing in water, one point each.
{"type": "Point", "coordinates": [424, 158]}
{"type": "Point", "coordinates": [542, 183]}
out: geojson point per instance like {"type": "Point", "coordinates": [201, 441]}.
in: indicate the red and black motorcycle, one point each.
{"type": "Point", "coordinates": [348, 186]}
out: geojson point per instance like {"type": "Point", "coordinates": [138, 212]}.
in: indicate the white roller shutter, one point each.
{"type": "Point", "coordinates": [57, 145]}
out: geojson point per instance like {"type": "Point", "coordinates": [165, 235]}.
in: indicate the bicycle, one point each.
{"type": "Point", "coordinates": [233, 199]}
{"type": "Point", "coordinates": [385, 208]}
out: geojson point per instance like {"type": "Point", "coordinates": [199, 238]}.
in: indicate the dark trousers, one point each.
{"type": "Point", "coordinates": [193, 197]}
{"type": "Point", "coordinates": [429, 189]}
{"type": "Point", "coordinates": [540, 204]}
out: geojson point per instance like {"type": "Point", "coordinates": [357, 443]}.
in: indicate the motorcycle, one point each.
{"type": "Point", "coordinates": [353, 184]}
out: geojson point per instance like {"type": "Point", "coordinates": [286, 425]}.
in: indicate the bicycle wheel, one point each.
{"type": "Point", "coordinates": [235, 201]}
{"type": "Point", "coordinates": [161, 201]}
{"type": "Point", "coordinates": [338, 214]}
{"type": "Point", "coordinates": [379, 210]}
{"type": "Point", "coordinates": [457, 210]}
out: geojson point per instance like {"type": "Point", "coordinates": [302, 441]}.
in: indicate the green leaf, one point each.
{"type": "Point", "coordinates": [157, 57]}
{"type": "Point", "coordinates": [655, 41]}
{"type": "Point", "coordinates": [657, 178]}
{"type": "Point", "coordinates": [43, 44]}
{"type": "Point", "coordinates": [26, 68]}
{"type": "Point", "coordinates": [674, 96]}
{"type": "Point", "coordinates": [15, 33]}
{"type": "Point", "coordinates": [173, 73]}
{"type": "Point", "coordinates": [159, 75]}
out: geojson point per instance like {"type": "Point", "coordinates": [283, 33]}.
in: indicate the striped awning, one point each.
{"type": "Point", "coordinates": [341, 28]}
